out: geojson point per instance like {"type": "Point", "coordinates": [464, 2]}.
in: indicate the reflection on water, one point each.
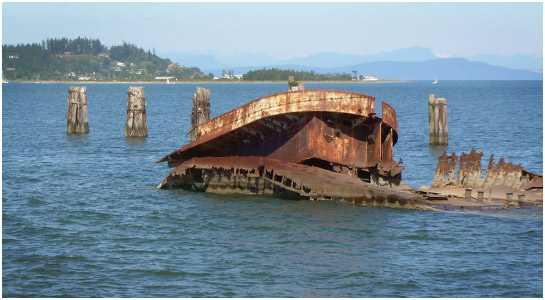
{"type": "Point", "coordinates": [77, 136]}
{"type": "Point", "coordinates": [136, 142]}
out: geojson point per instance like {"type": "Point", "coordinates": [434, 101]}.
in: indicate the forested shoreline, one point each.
{"type": "Point", "coordinates": [88, 59]}
{"type": "Point", "coordinates": [84, 59]}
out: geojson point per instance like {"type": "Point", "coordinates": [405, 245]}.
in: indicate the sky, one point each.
{"type": "Point", "coordinates": [285, 30]}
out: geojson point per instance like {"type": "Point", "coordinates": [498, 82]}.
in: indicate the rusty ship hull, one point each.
{"type": "Point", "coordinates": [313, 144]}
{"type": "Point", "coordinates": [257, 175]}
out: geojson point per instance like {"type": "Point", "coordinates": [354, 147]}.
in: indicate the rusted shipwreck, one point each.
{"type": "Point", "coordinates": [312, 144]}
{"type": "Point", "coordinates": [502, 184]}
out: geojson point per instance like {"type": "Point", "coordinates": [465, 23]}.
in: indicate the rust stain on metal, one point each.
{"type": "Point", "coordinates": [330, 140]}
{"type": "Point", "coordinates": [470, 170]}
{"type": "Point", "coordinates": [446, 167]}
{"type": "Point", "coordinates": [326, 145]}
{"type": "Point", "coordinates": [269, 176]}
{"type": "Point", "coordinates": [389, 116]}
{"type": "Point", "coordinates": [272, 112]}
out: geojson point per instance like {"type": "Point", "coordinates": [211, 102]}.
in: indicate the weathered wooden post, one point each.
{"type": "Point", "coordinates": [294, 85]}
{"type": "Point", "coordinates": [136, 125]}
{"type": "Point", "coordinates": [201, 111]}
{"type": "Point", "coordinates": [76, 114]}
{"type": "Point", "coordinates": [437, 108]}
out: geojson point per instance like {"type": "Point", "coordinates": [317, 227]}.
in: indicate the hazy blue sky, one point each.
{"type": "Point", "coordinates": [286, 30]}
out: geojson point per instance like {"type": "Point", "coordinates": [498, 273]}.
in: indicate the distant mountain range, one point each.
{"type": "Point", "coordinates": [414, 63]}
{"type": "Point", "coordinates": [441, 69]}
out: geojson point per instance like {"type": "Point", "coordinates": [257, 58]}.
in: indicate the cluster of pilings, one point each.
{"type": "Point", "coordinates": [135, 124]}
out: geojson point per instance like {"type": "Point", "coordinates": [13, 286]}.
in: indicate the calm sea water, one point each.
{"type": "Point", "coordinates": [81, 215]}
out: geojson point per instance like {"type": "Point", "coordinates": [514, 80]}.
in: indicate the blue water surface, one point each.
{"type": "Point", "coordinates": [81, 215]}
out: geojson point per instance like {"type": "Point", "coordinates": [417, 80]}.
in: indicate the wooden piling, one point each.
{"type": "Point", "coordinates": [201, 111]}
{"type": "Point", "coordinates": [437, 109]}
{"type": "Point", "coordinates": [136, 125]}
{"type": "Point", "coordinates": [295, 85]}
{"type": "Point", "coordinates": [76, 114]}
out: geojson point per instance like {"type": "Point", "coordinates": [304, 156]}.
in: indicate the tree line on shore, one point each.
{"type": "Point", "coordinates": [279, 74]}
{"type": "Point", "coordinates": [89, 59]}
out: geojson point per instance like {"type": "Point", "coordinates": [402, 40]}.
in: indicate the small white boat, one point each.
{"type": "Point", "coordinates": [435, 82]}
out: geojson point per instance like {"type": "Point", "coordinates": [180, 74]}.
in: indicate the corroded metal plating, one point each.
{"type": "Point", "coordinates": [273, 114]}
{"type": "Point", "coordinates": [470, 170]}
{"type": "Point", "coordinates": [269, 176]}
{"type": "Point", "coordinates": [330, 145]}
{"type": "Point", "coordinates": [324, 131]}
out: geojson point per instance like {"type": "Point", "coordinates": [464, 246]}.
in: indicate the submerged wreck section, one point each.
{"type": "Point", "coordinates": [470, 170]}
{"type": "Point", "coordinates": [311, 144]}
{"type": "Point", "coordinates": [330, 145]}
{"type": "Point", "coordinates": [268, 176]}
{"type": "Point", "coordinates": [503, 181]}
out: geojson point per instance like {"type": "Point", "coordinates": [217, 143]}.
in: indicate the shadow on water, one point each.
{"type": "Point", "coordinates": [77, 136]}
{"type": "Point", "coordinates": [437, 150]}
{"type": "Point", "coordinates": [136, 142]}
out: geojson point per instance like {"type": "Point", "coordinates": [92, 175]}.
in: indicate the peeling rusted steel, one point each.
{"type": "Point", "coordinates": [272, 114]}
{"type": "Point", "coordinates": [389, 117]}
{"type": "Point", "coordinates": [535, 183]}
{"type": "Point", "coordinates": [330, 145]}
{"type": "Point", "coordinates": [328, 131]}
{"type": "Point", "coordinates": [470, 170]}
{"type": "Point", "coordinates": [389, 139]}
{"type": "Point", "coordinates": [283, 103]}
{"type": "Point", "coordinates": [446, 167]}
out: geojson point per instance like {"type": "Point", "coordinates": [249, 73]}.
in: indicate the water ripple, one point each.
{"type": "Point", "coordinates": [85, 220]}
